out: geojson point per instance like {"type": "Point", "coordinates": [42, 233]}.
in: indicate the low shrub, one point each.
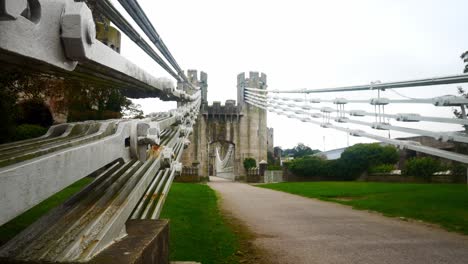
{"type": "Point", "coordinates": [382, 168]}
{"type": "Point", "coordinates": [309, 166]}
{"type": "Point", "coordinates": [458, 169]}
{"type": "Point", "coordinates": [274, 167]}
{"type": "Point", "coordinates": [27, 131]}
{"type": "Point", "coordinates": [422, 167]}
{"type": "Point", "coordinates": [353, 162]}
{"type": "Point", "coordinates": [249, 163]}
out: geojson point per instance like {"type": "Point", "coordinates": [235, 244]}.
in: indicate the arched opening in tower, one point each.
{"type": "Point", "coordinates": [223, 159]}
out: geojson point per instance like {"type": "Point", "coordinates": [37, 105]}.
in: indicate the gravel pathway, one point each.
{"type": "Point", "coordinates": [295, 229]}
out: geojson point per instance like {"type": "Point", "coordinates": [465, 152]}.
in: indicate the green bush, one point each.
{"type": "Point", "coordinates": [353, 162]}
{"type": "Point", "coordinates": [27, 131]}
{"type": "Point", "coordinates": [359, 158]}
{"type": "Point", "coordinates": [422, 167]}
{"type": "Point", "coordinates": [249, 163]}
{"type": "Point", "coordinates": [458, 169]}
{"type": "Point", "coordinates": [309, 166]}
{"type": "Point", "coordinates": [382, 168]}
{"type": "Point", "coordinates": [274, 167]}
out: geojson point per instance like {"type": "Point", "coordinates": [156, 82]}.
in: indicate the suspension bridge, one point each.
{"type": "Point", "coordinates": [317, 111]}
{"type": "Point", "coordinates": [134, 161]}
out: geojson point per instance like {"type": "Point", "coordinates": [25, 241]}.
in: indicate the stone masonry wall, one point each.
{"type": "Point", "coordinates": [242, 125]}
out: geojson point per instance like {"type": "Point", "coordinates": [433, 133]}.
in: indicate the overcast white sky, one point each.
{"type": "Point", "coordinates": [312, 44]}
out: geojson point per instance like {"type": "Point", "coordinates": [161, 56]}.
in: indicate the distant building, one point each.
{"type": "Point", "coordinates": [431, 142]}
{"type": "Point", "coordinates": [406, 154]}
{"type": "Point", "coordinates": [277, 152]}
{"type": "Point", "coordinates": [333, 154]}
{"type": "Point", "coordinates": [285, 159]}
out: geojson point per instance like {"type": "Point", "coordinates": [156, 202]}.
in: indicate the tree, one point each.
{"type": "Point", "coordinates": [353, 162]}
{"type": "Point", "coordinates": [23, 94]}
{"type": "Point", "coordinates": [87, 102]}
{"type": "Point", "coordinates": [277, 151]}
{"type": "Point", "coordinates": [360, 157]}
{"type": "Point", "coordinates": [132, 110]}
{"type": "Point", "coordinates": [8, 97]}
{"type": "Point", "coordinates": [249, 163]}
{"type": "Point", "coordinates": [422, 167]}
{"type": "Point", "coordinates": [271, 158]}
{"type": "Point", "coordinates": [22, 101]}
{"type": "Point", "coordinates": [456, 112]}
{"type": "Point", "coordinates": [90, 102]}
{"type": "Point", "coordinates": [301, 150]}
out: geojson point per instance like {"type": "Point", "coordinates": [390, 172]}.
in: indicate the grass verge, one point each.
{"type": "Point", "coordinates": [442, 204]}
{"type": "Point", "coordinates": [198, 231]}
{"type": "Point", "coordinates": [19, 223]}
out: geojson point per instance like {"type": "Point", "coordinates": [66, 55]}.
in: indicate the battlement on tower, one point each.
{"type": "Point", "coordinates": [198, 81]}
{"type": "Point", "coordinates": [194, 78]}
{"type": "Point", "coordinates": [254, 80]}
{"type": "Point", "coordinates": [217, 110]}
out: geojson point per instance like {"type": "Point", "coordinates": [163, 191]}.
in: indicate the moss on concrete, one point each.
{"type": "Point", "coordinates": [19, 223]}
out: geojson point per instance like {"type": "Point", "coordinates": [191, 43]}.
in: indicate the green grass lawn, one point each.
{"type": "Point", "coordinates": [16, 225]}
{"type": "Point", "coordinates": [442, 204]}
{"type": "Point", "coordinates": [197, 229]}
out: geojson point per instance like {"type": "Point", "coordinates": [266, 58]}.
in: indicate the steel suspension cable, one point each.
{"type": "Point", "coordinates": [398, 117]}
{"type": "Point", "coordinates": [377, 125]}
{"type": "Point", "coordinates": [108, 10]}
{"type": "Point", "coordinates": [137, 13]}
{"type": "Point", "coordinates": [399, 143]}
{"type": "Point", "coordinates": [451, 79]}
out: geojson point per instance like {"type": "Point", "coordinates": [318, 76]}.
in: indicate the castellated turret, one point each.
{"type": "Point", "coordinates": [255, 80]}
{"type": "Point", "coordinates": [240, 128]}
{"type": "Point", "coordinates": [195, 80]}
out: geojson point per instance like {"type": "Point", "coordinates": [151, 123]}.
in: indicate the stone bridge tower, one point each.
{"type": "Point", "coordinates": [239, 128]}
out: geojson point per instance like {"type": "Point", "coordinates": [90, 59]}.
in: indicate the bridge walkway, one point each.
{"type": "Point", "coordinates": [295, 229]}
